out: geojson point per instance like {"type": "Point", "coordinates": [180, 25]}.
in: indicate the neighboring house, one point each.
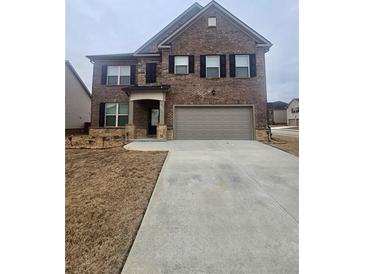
{"type": "Point", "coordinates": [293, 112]}
{"type": "Point", "coordinates": [201, 77]}
{"type": "Point", "coordinates": [78, 101]}
{"type": "Point", "coordinates": [276, 112]}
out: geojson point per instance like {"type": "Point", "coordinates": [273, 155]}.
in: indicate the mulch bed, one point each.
{"type": "Point", "coordinates": [107, 193]}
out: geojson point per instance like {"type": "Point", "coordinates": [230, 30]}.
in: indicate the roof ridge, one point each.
{"type": "Point", "coordinates": [195, 4]}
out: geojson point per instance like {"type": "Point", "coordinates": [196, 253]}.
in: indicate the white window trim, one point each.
{"type": "Point", "coordinates": [119, 75]}
{"type": "Point", "coordinates": [116, 115]}
{"type": "Point", "coordinates": [187, 65]}
{"type": "Point", "coordinates": [248, 66]}
{"type": "Point", "coordinates": [206, 67]}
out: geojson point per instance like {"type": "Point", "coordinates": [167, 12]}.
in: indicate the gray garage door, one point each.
{"type": "Point", "coordinates": [213, 123]}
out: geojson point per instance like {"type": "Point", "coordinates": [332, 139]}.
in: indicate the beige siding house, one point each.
{"type": "Point", "coordinates": [78, 100]}
{"type": "Point", "coordinates": [279, 116]}
{"type": "Point", "coordinates": [293, 112]}
{"type": "Point", "coordinates": [277, 112]}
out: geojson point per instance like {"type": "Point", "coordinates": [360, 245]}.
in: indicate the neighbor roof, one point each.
{"type": "Point", "coordinates": [294, 99]}
{"type": "Point", "coordinates": [279, 105]}
{"type": "Point", "coordinates": [262, 41]}
{"type": "Point", "coordinates": [68, 64]}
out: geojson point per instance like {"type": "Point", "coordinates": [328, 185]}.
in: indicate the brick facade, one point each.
{"type": "Point", "coordinates": [227, 38]}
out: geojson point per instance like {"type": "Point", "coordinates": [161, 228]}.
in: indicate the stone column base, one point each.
{"type": "Point", "coordinates": [162, 132]}
{"type": "Point", "coordinates": [129, 131]}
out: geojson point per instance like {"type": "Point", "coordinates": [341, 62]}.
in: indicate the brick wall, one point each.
{"type": "Point", "coordinates": [226, 38]}
{"type": "Point", "coordinates": [104, 93]}
{"type": "Point", "coordinates": [198, 39]}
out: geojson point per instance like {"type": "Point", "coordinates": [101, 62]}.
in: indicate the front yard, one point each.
{"type": "Point", "coordinates": [107, 193]}
{"type": "Point", "coordinates": [289, 144]}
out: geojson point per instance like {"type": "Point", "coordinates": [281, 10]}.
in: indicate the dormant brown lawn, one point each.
{"type": "Point", "coordinates": [107, 193]}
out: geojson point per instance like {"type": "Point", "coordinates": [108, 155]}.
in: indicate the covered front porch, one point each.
{"type": "Point", "coordinates": [146, 112]}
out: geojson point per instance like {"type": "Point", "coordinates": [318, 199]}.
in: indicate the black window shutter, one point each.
{"type": "Point", "coordinates": [232, 65]}
{"type": "Point", "coordinates": [171, 63]}
{"type": "Point", "coordinates": [222, 59]}
{"type": "Point", "coordinates": [202, 66]}
{"type": "Point", "coordinates": [133, 75]}
{"type": "Point", "coordinates": [151, 73]}
{"type": "Point", "coordinates": [252, 65]}
{"type": "Point", "coordinates": [191, 63]}
{"type": "Point", "coordinates": [104, 70]}
{"type": "Point", "coordinates": [101, 114]}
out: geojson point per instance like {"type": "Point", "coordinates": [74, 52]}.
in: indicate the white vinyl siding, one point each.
{"type": "Point", "coordinates": [181, 64]}
{"type": "Point", "coordinates": [119, 75]}
{"type": "Point", "coordinates": [242, 66]}
{"type": "Point", "coordinates": [212, 66]}
{"type": "Point", "coordinates": [116, 115]}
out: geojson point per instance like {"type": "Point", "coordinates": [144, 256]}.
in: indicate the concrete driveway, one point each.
{"type": "Point", "coordinates": [219, 207]}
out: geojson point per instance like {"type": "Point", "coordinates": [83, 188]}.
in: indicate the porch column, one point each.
{"type": "Point", "coordinates": [162, 128]}
{"type": "Point", "coordinates": [130, 113]}
{"type": "Point", "coordinates": [162, 112]}
{"type": "Point", "coordinates": [129, 128]}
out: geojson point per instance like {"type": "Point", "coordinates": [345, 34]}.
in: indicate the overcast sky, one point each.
{"type": "Point", "coordinates": [121, 26]}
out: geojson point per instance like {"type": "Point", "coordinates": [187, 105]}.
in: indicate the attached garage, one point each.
{"type": "Point", "coordinates": [293, 122]}
{"type": "Point", "coordinates": [233, 122]}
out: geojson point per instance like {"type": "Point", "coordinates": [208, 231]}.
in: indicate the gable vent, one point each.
{"type": "Point", "coordinates": [212, 22]}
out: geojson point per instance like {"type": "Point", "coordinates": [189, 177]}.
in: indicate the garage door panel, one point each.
{"type": "Point", "coordinates": [214, 123]}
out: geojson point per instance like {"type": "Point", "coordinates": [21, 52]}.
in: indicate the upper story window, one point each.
{"type": "Point", "coordinates": [212, 66]}
{"type": "Point", "coordinates": [295, 110]}
{"type": "Point", "coordinates": [151, 70]}
{"type": "Point", "coordinates": [116, 115]}
{"type": "Point", "coordinates": [212, 22]}
{"type": "Point", "coordinates": [119, 75]}
{"type": "Point", "coordinates": [242, 66]}
{"type": "Point", "coordinates": [181, 64]}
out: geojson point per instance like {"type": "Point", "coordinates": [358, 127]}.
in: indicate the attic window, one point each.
{"type": "Point", "coordinates": [212, 22]}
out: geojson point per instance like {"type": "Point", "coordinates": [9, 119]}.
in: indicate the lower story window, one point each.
{"type": "Point", "coordinates": [116, 115]}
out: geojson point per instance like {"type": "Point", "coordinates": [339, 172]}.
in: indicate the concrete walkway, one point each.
{"type": "Point", "coordinates": [286, 131]}
{"type": "Point", "coordinates": [219, 207]}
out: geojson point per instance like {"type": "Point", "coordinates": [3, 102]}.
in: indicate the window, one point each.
{"type": "Point", "coordinates": [242, 66]}
{"type": "Point", "coordinates": [213, 65]}
{"type": "Point", "coordinates": [119, 75]}
{"type": "Point", "coordinates": [212, 22]}
{"type": "Point", "coordinates": [116, 115]}
{"type": "Point", "coordinates": [295, 110]}
{"type": "Point", "coordinates": [181, 64]}
{"type": "Point", "coordinates": [151, 73]}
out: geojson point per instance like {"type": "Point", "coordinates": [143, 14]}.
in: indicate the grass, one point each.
{"type": "Point", "coordinates": [107, 193]}
{"type": "Point", "coordinates": [289, 144]}
{"type": "Point", "coordinates": [286, 143]}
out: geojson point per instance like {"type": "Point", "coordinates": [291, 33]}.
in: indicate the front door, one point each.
{"type": "Point", "coordinates": [153, 121]}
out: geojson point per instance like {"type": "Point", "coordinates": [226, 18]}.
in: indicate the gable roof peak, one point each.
{"type": "Point", "coordinates": [261, 41]}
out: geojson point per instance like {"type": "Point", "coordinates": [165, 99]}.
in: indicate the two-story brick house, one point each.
{"type": "Point", "coordinates": [201, 77]}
